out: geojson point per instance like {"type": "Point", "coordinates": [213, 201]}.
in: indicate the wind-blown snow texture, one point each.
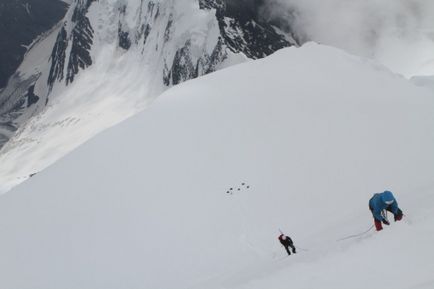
{"type": "Point", "coordinates": [313, 131]}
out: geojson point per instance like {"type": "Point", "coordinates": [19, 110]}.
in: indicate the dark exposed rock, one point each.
{"type": "Point", "coordinates": [256, 40]}
{"type": "Point", "coordinates": [17, 98]}
{"type": "Point", "coordinates": [58, 58]}
{"type": "Point", "coordinates": [82, 40]}
{"type": "Point", "coordinates": [21, 21]}
{"type": "Point", "coordinates": [167, 75]}
{"type": "Point", "coordinates": [211, 4]}
{"type": "Point", "coordinates": [243, 29]}
{"type": "Point", "coordinates": [16, 94]}
{"type": "Point", "coordinates": [32, 98]}
{"type": "Point", "coordinates": [124, 39]}
{"type": "Point", "coordinates": [209, 63]}
{"type": "Point", "coordinates": [81, 10]}
{"type": "Point", "coordinates": [146, 32]}
{"type": "Point", "coordinates": [168, 29]}
{"type": "Point", "coordinates": [183, 68]}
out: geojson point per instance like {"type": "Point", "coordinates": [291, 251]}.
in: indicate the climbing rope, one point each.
{"type": "Point", "coordinates": [301, 249]}
{"type": "Point", "coordinates": [356, 235]}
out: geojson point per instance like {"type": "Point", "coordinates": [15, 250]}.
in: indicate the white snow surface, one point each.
{"type": "Point", "coordinates": [424, 81]}
{"type": "Point", "coordinates": [312, 131]}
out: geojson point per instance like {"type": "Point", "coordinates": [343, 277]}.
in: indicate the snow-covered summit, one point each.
{"type": "Point", "coordinates": [312, 131]}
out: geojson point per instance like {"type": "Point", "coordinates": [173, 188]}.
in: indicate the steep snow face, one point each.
{"type": "Point", "coordinates": [109, 60]}
{"type": "Point", "coordinates": [312, 131]}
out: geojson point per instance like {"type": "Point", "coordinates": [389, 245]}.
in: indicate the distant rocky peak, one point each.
{"type": "Point", "coordinates": [171, 41]}
{"type": "Point", "coordinates": [76, 36]}
{"type": "Point", "coordinates": [212, 4]}
{"type": "Point", "coordinates": [239, 29]}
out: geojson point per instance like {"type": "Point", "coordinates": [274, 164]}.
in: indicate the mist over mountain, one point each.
{"type": "Point", "coordinates": [398, 34]}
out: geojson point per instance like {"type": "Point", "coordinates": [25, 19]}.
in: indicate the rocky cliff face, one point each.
{"type": "Point", "coordinates": [172, 41]}
{"type": "Point", "coordinates": [244, 31]}
{"type": "Point", "coordinates": [80, 39]}
{"type": "Point", "coordinates": [21, 21]}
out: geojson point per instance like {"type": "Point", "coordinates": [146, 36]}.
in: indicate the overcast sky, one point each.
{"type": "Point", "coordinates": [398, 33]}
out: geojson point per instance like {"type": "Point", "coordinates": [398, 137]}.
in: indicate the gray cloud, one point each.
{"type": "Point", "coordinates": [398, 33]}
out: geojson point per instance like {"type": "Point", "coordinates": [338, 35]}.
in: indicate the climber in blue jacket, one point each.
{"type": "Point", "coordinates": [384, 201]}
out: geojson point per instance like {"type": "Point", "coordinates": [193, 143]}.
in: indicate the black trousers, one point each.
{"type": "Point", "coordinates": [287, 248]}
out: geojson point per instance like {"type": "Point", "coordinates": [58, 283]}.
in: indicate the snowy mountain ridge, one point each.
{"type": "Point", "coordinates": [142, 46]}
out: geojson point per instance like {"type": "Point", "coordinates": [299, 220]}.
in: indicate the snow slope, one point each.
{"type": "Point", "coordinates": [312, 131]}
{"type": "Point", "coordinates": [108, 60]}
